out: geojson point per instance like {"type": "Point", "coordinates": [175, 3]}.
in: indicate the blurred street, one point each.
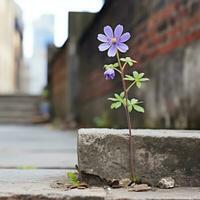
{"type": "Point", "coordinates": [24, 147]}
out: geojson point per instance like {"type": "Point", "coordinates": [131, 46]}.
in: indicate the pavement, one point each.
{"type": "Point", "coordinates": [37, 147]}
{"type": "Point", "coordinates": [36, 184]}
{"type": "Point", "coordinates": [32, 158]}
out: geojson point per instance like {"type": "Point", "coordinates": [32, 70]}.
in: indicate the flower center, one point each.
{"type": "Point", "coordinates": [114, 40]}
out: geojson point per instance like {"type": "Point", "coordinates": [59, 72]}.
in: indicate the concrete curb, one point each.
{"type": "Point", "coordinates": [159, 153]}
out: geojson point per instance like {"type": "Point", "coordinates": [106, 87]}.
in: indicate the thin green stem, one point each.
{"type": "Point", "coordinates": [130, 86]}
{"type": "Point", "coordinates": [124, 65]}
{"type": "Point", "coordinates": [117, 70]}
{"type": "Point", "coordinates": [131, 145]}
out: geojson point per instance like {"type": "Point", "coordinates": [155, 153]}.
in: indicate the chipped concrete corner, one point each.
{"type": "Point", "coordinates": [159, 153]}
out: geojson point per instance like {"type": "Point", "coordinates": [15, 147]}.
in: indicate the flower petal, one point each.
{"type": "Point", "coordinates": [108, 31]}
{"type": "Point", "coordinates": [104, 46]}
{"type": "Point", "coordinates": [118, 31]}
{"type": "Point", "coordinates": [112, 51]}
{"type": "Point", "coordinates": [126, 36]}
{"type": "Point", "coordinates": [122, 47]}
{"type": "Point", "coordinates": [109, 74]}
{"type": "Point", "coordinates": [102, 38]}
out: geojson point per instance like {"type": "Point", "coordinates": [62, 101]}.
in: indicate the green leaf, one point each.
{"type": "Point", "coordinates": [130, 63]}
{"type": "Point", "coordinates": [123, 59]}
{"type": "Point", "coordinates": [140, 75]}
{"type": "Point", "coordinates": [138, 108]}
{"type": "Point", "coordinates": [138, 84]}
{"type": "Point", "coordinates": [130, 108]}
{"type": "Point", "coordinates": [134, 101]}
{"type": "Point", "coordinates": [135, 74]}
{"type": "Point", "coordinates": [116, 105]}
{"type": "Point", "coordinates": [128, 60]}
{"type": "Point", "coordinates": [144, 79]}
{"type": "Point", "coordinates": [122, 94]}
{"type": "Point", "coordinates": [117, 101]}
{"type": "Point", "coordinates": [118, 97]}
{"type": "Point", "coordinates": [115, 65]}
{"type": "Point", "coordinates": [108, 66]}
{"type": "Point", "coordinates": [129, 78]}
{"type": "Point", "coordinates": [112, 99]}
{"type": "Point", "coordinates": [111, 66]}
{"type": "Point", "coordinates": [73, 178]}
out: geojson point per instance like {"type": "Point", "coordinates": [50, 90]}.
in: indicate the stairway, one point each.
{"type": "Point", "coordinates": [18, 109]}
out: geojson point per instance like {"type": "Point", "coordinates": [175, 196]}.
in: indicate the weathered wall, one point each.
{"type": "Point", "coordinates": [58, 82]}
{"type": "Point", "coordinates": [63, 69]}
{"type": "Point", "coordinates": [166, 43]}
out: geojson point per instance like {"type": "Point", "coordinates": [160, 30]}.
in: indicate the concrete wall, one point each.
{"type": "Point", "coordinates": [166, 43]}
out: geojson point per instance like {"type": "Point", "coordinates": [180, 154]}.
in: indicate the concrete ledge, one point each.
{"type": "Point", "coordinates": [159, 153]}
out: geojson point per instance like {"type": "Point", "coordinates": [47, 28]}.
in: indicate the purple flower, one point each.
{"type": "Point", "coordinates": [109, 74]}
{"type": "Point", "coordinates": [113, 41]}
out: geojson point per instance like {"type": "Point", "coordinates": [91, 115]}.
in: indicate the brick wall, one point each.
{"type": "Point", "coordinates": [58, 82]}
{"type": "Point", "coordinates": [166, 43]}
{"type": "Point", "coordinates": [175, 24]}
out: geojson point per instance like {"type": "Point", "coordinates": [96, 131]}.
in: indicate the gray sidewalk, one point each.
{"type": "Point", "coordinates": [36, 184]}
{"type": "Point", "coordinates": [37, 147]}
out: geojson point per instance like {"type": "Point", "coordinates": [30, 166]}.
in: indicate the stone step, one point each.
{"type": "Point", "coordinates": [158, 154]}
{"type": "Point", "coordinates": [20, 97]}
{"type": "Point", "coordinates": [15, 120]}
{"type": "Point", "coordinates": [18, 113]}
{"type": "Point", "coordinates": [25, 116]}
{"type": "Point", "coordinates": [18, 108]}
{"type": "Point", "coordinates": [37, 184]}
{"type": "Point", "coordinates": [18, 100]}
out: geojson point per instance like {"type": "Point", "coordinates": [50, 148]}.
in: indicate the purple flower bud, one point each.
{"type": "Point", "coordinates": [109, 74]}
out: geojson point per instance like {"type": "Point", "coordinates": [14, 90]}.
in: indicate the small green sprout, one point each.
{"type": "Point", "coordinates": [73, 178]}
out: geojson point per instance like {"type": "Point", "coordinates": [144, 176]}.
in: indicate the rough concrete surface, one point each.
{"type": "Point", "coordinates": [159, 153]}
{"type": "Point", "coordinates": [36, 184]}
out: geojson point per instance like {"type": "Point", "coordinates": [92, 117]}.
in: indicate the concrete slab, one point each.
{"type": "Point", "coordinates": [158, 154]}
{"type": "Point", "coordinates": [37, 146]}
{"type": "Point", "coordinates": [36, 184]}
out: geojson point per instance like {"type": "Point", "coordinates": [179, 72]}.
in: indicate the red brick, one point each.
{"type": "Point", "coordinates": [164, 13]}
{"type": "Point", "coordinates": [164, 49]}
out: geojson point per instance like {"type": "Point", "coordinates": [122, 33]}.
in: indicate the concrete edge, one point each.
{"type": "Point", "coordinates": [143, 132]}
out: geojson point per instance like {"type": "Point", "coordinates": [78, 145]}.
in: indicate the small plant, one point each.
{"type": "Point", "coordinates": [73, 178]}
{"type": "Point", "coordinates": [113, 41]}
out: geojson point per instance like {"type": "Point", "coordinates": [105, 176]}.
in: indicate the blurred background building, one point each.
{"type": "Point", "coordinates": [165, 41]}
{"type": "Point", "coordinates": [11, 54]}
{"type": "Point", "coordinates": [43, 35]}
{"type": "Point", "coordinates": [63, 69]}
